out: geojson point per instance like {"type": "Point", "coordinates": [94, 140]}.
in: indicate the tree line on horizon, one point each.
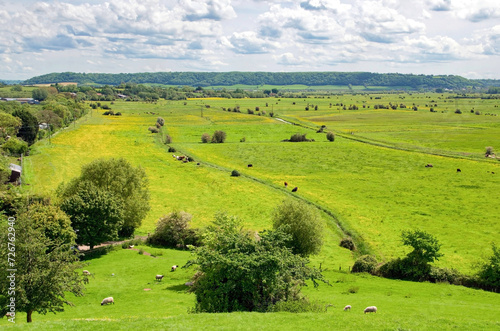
{"type": "Point", "coordinates": [205, 79]}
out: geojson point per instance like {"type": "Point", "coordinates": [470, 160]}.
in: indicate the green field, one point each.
{"type": "Point", "coordinates": [371, 181]}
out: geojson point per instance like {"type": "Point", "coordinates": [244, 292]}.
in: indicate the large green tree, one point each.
{"type": "Point", "coordinates": [96, 214]}
{"type": "Point", "coordinates": [303, 223]}
{"type": "Point", "coordinates": [244, 271]}
{"type": "Point", "coordinates": [127, 184]}
{"type": "Point", "coordinates": [29, 127]}
{"type": "Point", "coordinates": [45, 269]}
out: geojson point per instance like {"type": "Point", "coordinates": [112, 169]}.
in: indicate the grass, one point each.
{"type": "Point", "coordinates": [372, 182]}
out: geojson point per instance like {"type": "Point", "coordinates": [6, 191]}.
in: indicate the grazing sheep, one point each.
{"type": "Point", "coordinates": [286, 184]}
{"type": "Point", "coordinates": [295, 189]}
{"type": "Point", "coordinates": [107, 300]}
{"type": "Point", "coordinates": [86, 272]}
{"type": "Point", "coordinates": [10, 314]}
{"type": "Point", "coordinates": [174, 267]}
{"type": "Point", "coordinates": [189, 283]}
{"type": "Point", "coordinates": [159, 277]}
{"type": "Point", "coordinates": [371, 309]}
{"type": "Point", "coordinates": [348, 307]}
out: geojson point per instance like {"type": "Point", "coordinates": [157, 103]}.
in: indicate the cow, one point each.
{"type": "Point", "coordinates": [295, 189]}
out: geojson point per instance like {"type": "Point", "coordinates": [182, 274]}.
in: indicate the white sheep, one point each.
{"type": "Point", "coordinates": [371, 309]}
{"type": "Point", "coordinates": [159, 277]}
{"type": "Point", "coordinates": [174, 267]}
{"type": "Point", "coordinates": [86, 272]}
{"type": "Point", "coordinates": [107, 300]}
{"type": "Point", "coordinates": [189, 283]}
{"type": "Point", "coordinates": [348, 307]}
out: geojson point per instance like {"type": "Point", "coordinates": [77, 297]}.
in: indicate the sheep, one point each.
{"type": "Point", "coordinates": [10, 314]}
{"type": "Point", "coordinates": [348, 307]}
{"type": "Point", "coordinates": [159, 277]}
{"type": "Point", "coordinates": [174, 267]}
{"type": "Point", "coordinates": [371, 309]}
{"type": "Point", "coordinates": [286, 184]}
{"type": "Point", "coordinates": [86, 272]}
{"type": "Point", "coordinates": [107, 300]}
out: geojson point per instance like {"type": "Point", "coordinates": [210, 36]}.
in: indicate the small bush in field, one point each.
{"type": "Point", "coordinates": [249, 111]}
{"type": "Point", "coordinates": [489, 150]}
{"type": "Point", "coordinates": [348, 243]}
{"type": "Point", "coordinates": [153, 129]}
{"type": "Point", "coordinates": [235, 173]}
{"type": "Point", "coordinates": [365, 263]}
{"type": "Point", "coordinates": [242, 140]}
{"type": "Point", "coordinates": [458, 111]}
{"type": "Point", "coordinates": [330, 136]}
{"type": "Point", "coordinates": [205, 138]}
{"type": "Point", "coordinates": [298, 137]}
{"type": "Point", "coordinates": [168, 139]}
{"type": "Point", "coordinates": [218, 137]}
{"type": "Point", "coordinates": [160, 121]}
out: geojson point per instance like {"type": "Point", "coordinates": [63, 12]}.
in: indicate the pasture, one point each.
{"type": "Point", "coordinates": [371, 181]}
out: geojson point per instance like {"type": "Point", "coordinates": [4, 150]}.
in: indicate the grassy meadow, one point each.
{"type": "Point", "coordinates": [371, 181]}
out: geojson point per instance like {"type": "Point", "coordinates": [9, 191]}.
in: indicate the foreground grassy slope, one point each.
{"type": "Point", "coordinates": [142, 303]}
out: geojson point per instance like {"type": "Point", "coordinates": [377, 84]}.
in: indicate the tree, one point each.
{"type": "Point", "coordinates": [425, 247]}
{"type": "Point", "coordinates": [489, 274]}
{"type": "Point", "coordinates": [96, 214]}
{"type": "Point", "coordinates": [173, 230]}
{"type": "Point", "coordinates": [303, 223]}
{"type": "Point", "coordinates": [9, 125]}
{"type": "Point", "coordinates": [29, 127]}
{"type": "Point", "coordinates": [127, 184]}
{"type": "Point", "coordinates": [45, 268]}
{"type": "Point", "coordinates": [244, 271]}
{"type": "Point", "coordinates": [219, 137]}
{"type": "Point", "coordinates": [40, 94]}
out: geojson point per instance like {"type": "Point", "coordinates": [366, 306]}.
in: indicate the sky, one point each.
{"type": "Point", "coordinates": [439, 37]}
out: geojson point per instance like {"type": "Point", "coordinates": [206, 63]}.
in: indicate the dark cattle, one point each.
{"type": "Point", "coordinates": [428, 165]}
{"type": "Point", "coordinates": [458, 170]}
{"type": "Point", "coordinates": [295, 189]}
{"type": "Point", "coordinates": [250, 165]}
{"type": "Point", "coordinates": [286, 184]}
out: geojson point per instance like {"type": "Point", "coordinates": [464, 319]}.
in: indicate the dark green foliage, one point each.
{"type": "Point", "coordinates": [304, 225]}
{"type": "Point", "coordinates": [235, 173]}
{"type": "Point", "coordinates": [239, 271]}
{"type": "Point", "coordinates": [299, 137]}
{"type": "Point", "coordinates": [40, 94]}
{"type": "Point", "coordinates": [171, 149]}
{"type": "Point", "coordinates": [302, 305]}
{"type": "Point", "coordinates": [489, 150]}
{"type": "Point", "coordinates": [29, 127]}
{"type": "Point", "coordinates": [128, 184]}
{"type": "Point", "coordinates": [96, 214]}
{"type": "Point", "coordinates": [168, 139]}
{"type": "Point", "coordinates": [153, 129]}
{"type": "Point", "coordinates": [219, 137]}
{"type": "Point", "coordinates": [348, 243]}
{"type": "Point", "coordinates": [46, 268]}
{"type": "Point", "coordinates": [160, 121]}
{"type": "Point", "coordinates": [365, 263]}
{"type": "Point", "coordinates": [205, 138]}
{"type": "Point", "coordinates": [450, 276]}
{"type": "Point", "coordinates": [15, 147]}
{"type": "Point", "coordinates": [173, 230]}
{"type": "Point", "coordinates": [458, 111]}
{"type": "Point", "coordinates": [330, 136]}
{"type": "Point", "coordinates": [489, 274]}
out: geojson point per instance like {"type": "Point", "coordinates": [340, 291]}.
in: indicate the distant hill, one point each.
{"type": "Point", "coordinates": [205, 79]}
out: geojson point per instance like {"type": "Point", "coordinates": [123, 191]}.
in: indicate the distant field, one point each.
{"type": "Point", "coordinates": [6, 92]}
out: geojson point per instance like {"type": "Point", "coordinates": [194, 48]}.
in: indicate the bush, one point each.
{"type": "Point", "coordinates": [249, 111]}
{"type": "Point", "coordinates": [242, 140]}
{"type": "Point", "coordinates": [297, 306]}
{"type": "Point", "coordinates": [330, 136]}
{"type": "Point", "coordinates": [304, 225]}
{"type": "Point", "coordinates": [458, 111]}
{"type": "Point", "coordinates": [298, 137]}
{"type": "Point", "coordinates": [477, 112]}
{"type": "Point", "coordinates": [160, 121]}
{"type": "Point", "coordinates": [15, 147]}
{"type": "Point", "coordinates": [365, 263]}
{"type": "Point", "coordinates": [219, 137]}
{"type": "Point", "coordinates": [171, 149]}
{"type": "Point", "coordinates": [205, 138]}
{"type": "Point", "coordinates": [489, 150]}
{"type": "Point", "coordinates": [173, 231]}
{"type": "Point", "coordinates": [153, 129]}
{"type": "Point", "coordinates": [168, 139]}
{"type": "Point", "coordinates": [348, 243]}
{"type": "Point", "coordinates": [451, 276]}
{"type": "Point", "coordinates": [489, 275]}
{"type": "Point", "coordinates": [235, 173]}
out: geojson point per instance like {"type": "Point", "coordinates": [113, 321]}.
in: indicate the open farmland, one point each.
{"type": "Point", "coordinates": [371, 181]}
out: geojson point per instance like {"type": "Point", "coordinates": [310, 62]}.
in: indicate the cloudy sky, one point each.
{"type": "Point", "coordinates": [460, 37]}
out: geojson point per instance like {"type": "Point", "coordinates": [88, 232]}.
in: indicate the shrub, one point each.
{"type": "Point", "coordinates": [106, 107]}
{"type": "Point", "coordinates": [297, 306]}
{"type": "Point", "coordinates": [168, 139]}
{"type": "Point", "coordinates": [451, 276]}
{"type": "Point", "coordinates": [489, 275]}
{"type": "Point", "coordinates": [298, 137]}
{"type": "Point", "coordinates": [118, 114]}
{"type": "Point", "coordinates": [157, 125]}
{"type": "Point", "coordinates": [304, 225]}
{"type": "Point", "coordinates": [489, 150]}
{"type": "Point", "coordinates": [153, 129]}
{"type": "Point", "coordinates": [205, 138]}
{"type": "Point", "coordinates": [235, 173]}
{"type": "Point", "coordinates": [257, 108]}
{"type": "Point", "coordinates": [348, 243]}
{"type": "Point", "coordinates": [458, 111]}
{"type": "Point", "coordinates": [173, 231]}
{"type": "Point", "coordinates": [15, 147]}
{"type": "Point", "coordinates": [242, 140]}
{"type": "Point", "coordinates": [171, 149]}
{"type": "Point", "coordinates": [330, 136]}
{"type": "Point", "coordinates": [365, 263]}
{"type": "Point", "coordinates": [218, 137]}
{"type": "Point", "coordinates": [109, 112]}
{"type": "Point", "coordinates": [250, 111]}
{"type": "Point", "coordinates": [477, 112]}
{"type": "Point", "coordinates": [160, 121]}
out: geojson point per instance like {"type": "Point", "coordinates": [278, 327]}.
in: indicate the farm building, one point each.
{"type": "Point", "coordinates": [15, 174]}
